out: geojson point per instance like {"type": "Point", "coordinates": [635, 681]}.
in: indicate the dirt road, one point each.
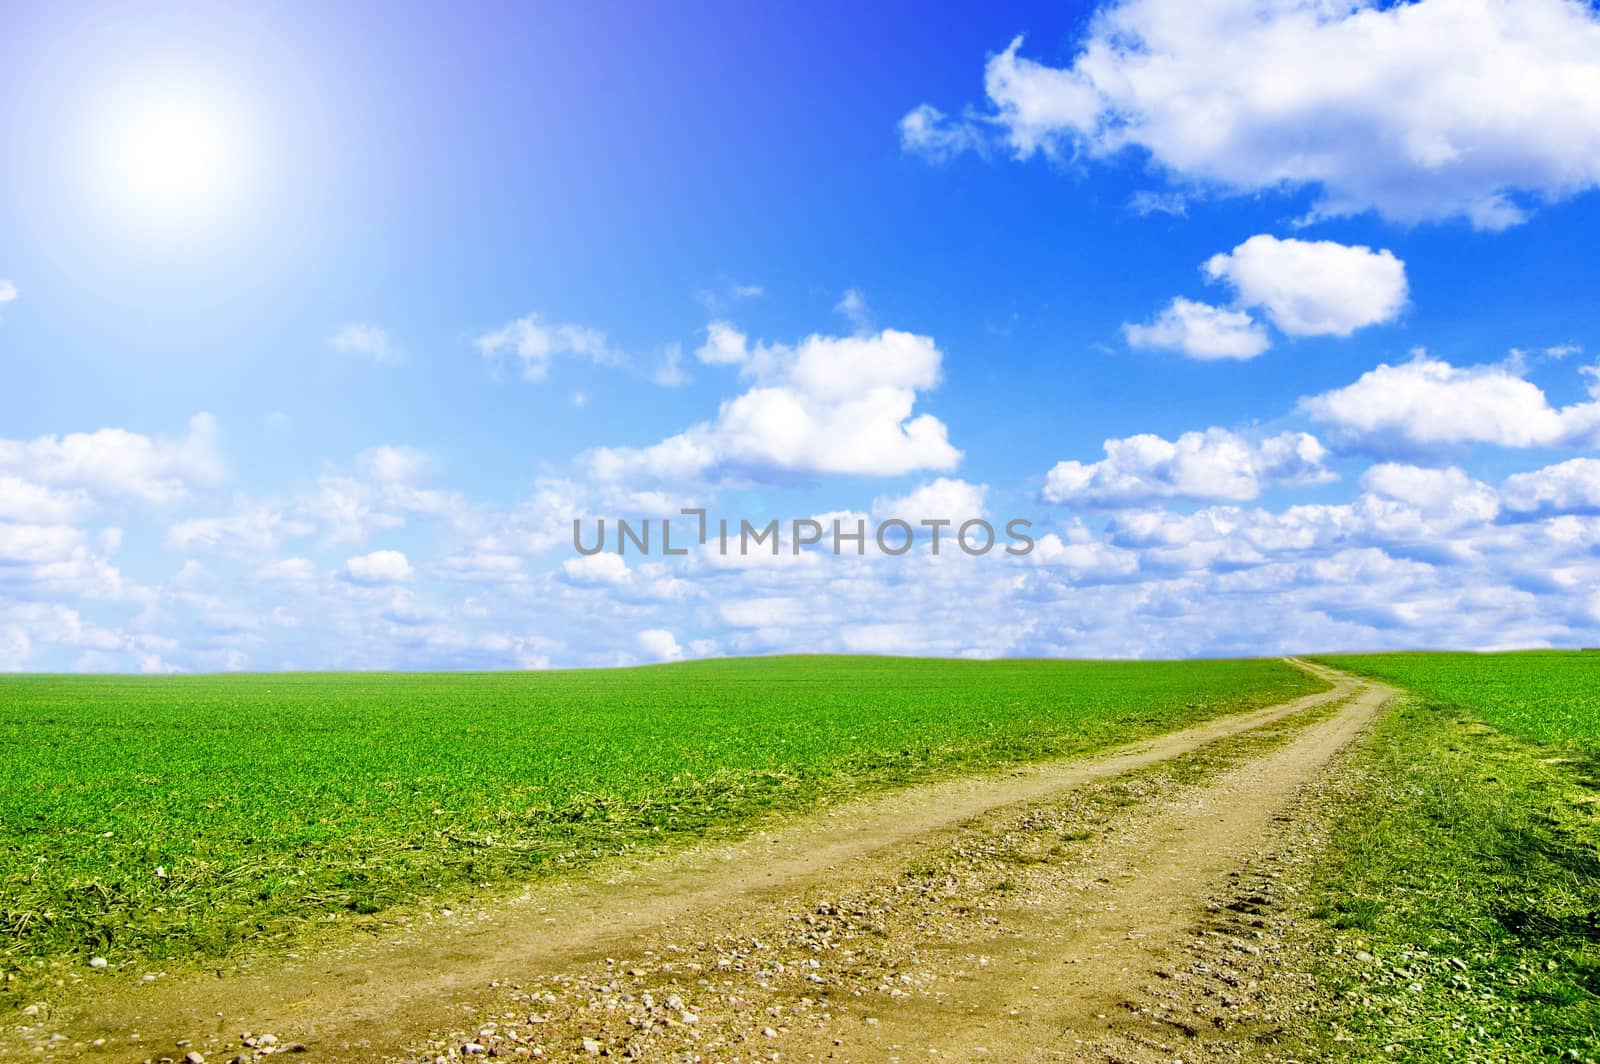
{"type": "Point", "coordinates": [1010, 917]}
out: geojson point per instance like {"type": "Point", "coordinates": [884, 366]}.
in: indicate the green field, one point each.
{"type": "Point", "coordinates": [162, 817]}
{"type": "Point", "coordinates": [1551, 697]}
{"type": "Point", "coordinates": [1461, 894]}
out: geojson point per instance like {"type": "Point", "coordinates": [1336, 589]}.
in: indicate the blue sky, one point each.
{"type": "Point", "coordinates": [318, 330]}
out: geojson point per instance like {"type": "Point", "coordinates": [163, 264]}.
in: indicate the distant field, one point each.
{"type": "Point", "coordinates": [152, 817]}
{"type": "Point", "coordinates": [1550, 697]}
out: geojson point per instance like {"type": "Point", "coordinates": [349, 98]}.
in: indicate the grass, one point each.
{"type": "Point", "coordinates": [1548, 697]}
{"type": "Point", "coordinates": [1459, 902]}
{"type": "Point", "coordinates": [145, 819]}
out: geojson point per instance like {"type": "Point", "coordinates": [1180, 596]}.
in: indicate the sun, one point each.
{"type": "Point", "coordinates": [170, 161]}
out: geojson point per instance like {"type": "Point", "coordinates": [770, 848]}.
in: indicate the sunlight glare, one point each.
{"type": "Point", "coordinates": [169, 160]}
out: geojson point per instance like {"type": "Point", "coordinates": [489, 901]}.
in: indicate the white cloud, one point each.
{"type": "Point", "coordinates": [33, 544]}
{"type": "Point", "coordinates": [369, 341]}
{"type": "Point", "coordinates": [853, 305]}
{"type": "Point", "coordinates": [536, 344]}
{"type": "Point", "coordinates": [56, 625]}
{"type": "Point", "coordinates": [1147, 201]}
{"type": "Point", "coordinates": [725, 346]}
{"type": "Point", "coordinates": [393, 464]}
{"type": "Point", "coordinates": [1421, 111]}
{"type": "Point", "coordinates": [257, 528]}
{"type": "Point", "coordinates": [1313, 288]}
{"type": "Point", "coordinates": [16, 649]}
{"type": "Point", "coordinates": [8, 292]}
{"type": "Point", "coordinates": [489, 560]}
{"type": "Point", "coordinates": [944, 498]}
{"type": "Point", "coordinates": [771, 612]}
{"type": "Point", "coordinates": [193, 576]}
{"type": "Point", "coordinates": [118, 463]}
{"type": "Point", "coordinates": [827, 405]}
{"type": "Point", "coordinates": [291, 571]}
{"type": "Point", "coordinates": [1428, 403]}
{"type": "Point", "coordinates": [1201, 331]}
{"type": "Point", "coordinates": [385, 494]}
{"type": "Point", "coordinates": [1079, 555]}
{"type": "Point", "coordinates": [22, 500]}
{"type": "Point", "coordinates": [930, 133]}
{"type": "Point", "coordinates": [660, 644]}
{"type": "Point", "coordinates": [1448, 498]}
{"type": "Point", "coordinates": [378, 568]}
{"type": "Point", "coordinates": [1565, 488]}
{"type": "Point", "coordinates": [53, 562]}
{"type": "Point", "coordinates": [154, 665]}
{"type": "Point", "coordinates": [1212, 465]}
{"type": "Point", "coordinates": [590, 570]}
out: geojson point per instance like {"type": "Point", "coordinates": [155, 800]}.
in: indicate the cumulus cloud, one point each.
{"type": "Point", "coordinates": [378, 568]}
{"type": "Point", "coordinates": [369, 341]}
{"type": "Point", "coordinates": [1447, 498]}
{"type": "Point", "coordinates": [1212, 465]}
{"type": "Point", "coordinates": [1082, 557]}
{"type": "Point", "coordinates": [23, 626]}
{"type": "Point", "coordinates": [826, 405]}
{"type": "Point", "coordinates": [1571, 487]}
{"type": "Point", "coordinates": [383, 496]}
{"type": "Point", "coordinates": [23, 500]}
{"type": "Point", "coordinates": [53, 562]}
{"type": "Point", "coordinates": [8, 292]}
{"type": "Point", "coordinates": [1201, 331]}
{"type": "Point", "coordinates": [1427, 403]}
{"type": "Point", "coordinates": [1421, 111]}
{"type": "Point", "coordinates": [118, 463]}
{"type": "Point", "coordinates": [1419, 556]}
{"type": "Point", "coordinates": [944, 498]}
{"type": "Point", "coordinates": [725, 346]}
{"type": "Point", "coordinates": [591, 570]}
{"type": "Point", "coordinates": [22, 544]}
{"type": "Point", "coordinates": [290, 571]}
{"type": "Point", "coordinates": [660, 645]}
{"type": "Point", "coordinates": [1313, 287]}
{"type": "Point", "coordinates": [535, 344]}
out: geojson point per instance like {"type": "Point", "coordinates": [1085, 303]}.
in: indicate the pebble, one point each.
{"type": "Point", "coordinates": [97, 962]}
{"type": "Point", "coordinates": [193, 1057]}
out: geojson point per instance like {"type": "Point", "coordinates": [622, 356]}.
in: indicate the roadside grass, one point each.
{"type": "Point", "coordinates": [150, 820]}
{"type": "Point", "coordinates": [1458, 907]}
{"type": "Point", "coordinates": [1548, 697]}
